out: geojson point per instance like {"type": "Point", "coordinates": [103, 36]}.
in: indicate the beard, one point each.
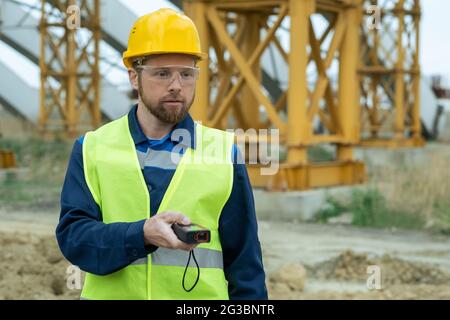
{"type": "Point", "coordinates": [170, 115]}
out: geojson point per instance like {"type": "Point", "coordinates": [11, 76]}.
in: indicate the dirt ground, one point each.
{"type": "Point", "coordinates": [314, 261]}
{"type": "Point", "coordinates": [302, 261]}
{"type": "Point", "coordinates": [31, 265]}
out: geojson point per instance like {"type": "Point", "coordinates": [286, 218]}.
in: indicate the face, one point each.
{"type": "Point", "coordinates": [168, 102]}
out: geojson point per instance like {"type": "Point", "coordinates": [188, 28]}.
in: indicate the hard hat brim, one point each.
{"type": "Point", "coordinates": [127, 60]}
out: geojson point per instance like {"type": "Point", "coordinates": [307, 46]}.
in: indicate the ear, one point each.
{"type": "Point", "coordinates": [133, 77]}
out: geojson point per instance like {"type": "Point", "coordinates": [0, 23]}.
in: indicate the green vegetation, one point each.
{"type": "Point", "coordinates": [316, 153]}
{"type": "Point", "coordinates": [45, 163]}
{"type": "Point", "coordinates": [319, 154]}
{"type": "Point", "coordinates": [400, 195]}
{"type": "Point", "coordinates": [369, 209]}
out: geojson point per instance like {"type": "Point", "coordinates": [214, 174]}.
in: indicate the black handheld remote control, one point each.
{"type": "Point", "coordinates": [191, 233]}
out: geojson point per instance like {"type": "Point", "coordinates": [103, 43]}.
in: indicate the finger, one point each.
{"type": "Point", "coordinates": [187, 247]}
{"type": "Point", "coordinates": [173, 240]}
{"type": "Point", "coordinates": [170, 217]}
{"type": "Point", "coordinates": [184, 246]}
{"type": "Point", "coordinates": [192, 246]}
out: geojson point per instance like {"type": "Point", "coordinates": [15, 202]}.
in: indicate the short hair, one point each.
{"type": "Point", "coordinates": [139, 61]}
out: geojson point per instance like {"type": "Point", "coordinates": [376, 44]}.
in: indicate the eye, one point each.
{"type": "Point", "coordinates": [162, 73]}
{"type": "Point", "coordinates": [187, 74]}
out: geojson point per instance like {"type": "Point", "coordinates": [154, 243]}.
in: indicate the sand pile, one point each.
{"type": "Point", "coordinates": [399, 279]}
{"type": "Point", "coordinates": [32, 267]}
{"type": "Point", "coordinates": [353, 266]}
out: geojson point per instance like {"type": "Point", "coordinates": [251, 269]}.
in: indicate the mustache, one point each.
{"type": "Point", "coordinates": [171, 97]}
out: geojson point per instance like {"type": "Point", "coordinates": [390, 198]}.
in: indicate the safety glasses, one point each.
{"type": "Point", "coordinates": [165, 75]}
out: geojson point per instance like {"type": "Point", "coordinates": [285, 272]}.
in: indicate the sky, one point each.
{"type": "Point", "coordinates": [435, 37]}
{"type": "Point", "coordinates": [434, 52]}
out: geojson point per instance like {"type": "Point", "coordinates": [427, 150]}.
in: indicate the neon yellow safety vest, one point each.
{"type": "Point", "coordinates": [199, 189]}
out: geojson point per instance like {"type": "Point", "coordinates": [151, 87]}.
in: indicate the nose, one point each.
{"type": "Point", "coordinates": [175, 84]}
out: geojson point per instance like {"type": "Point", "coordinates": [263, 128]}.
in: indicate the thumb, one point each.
{"type": "Point", "coordinates": [175, 217]}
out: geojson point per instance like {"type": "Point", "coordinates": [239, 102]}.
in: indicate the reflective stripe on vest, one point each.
{"type": "Point", "coordinates": [206, 258]}
{"type": "Point", "coordinates": [200, 187]}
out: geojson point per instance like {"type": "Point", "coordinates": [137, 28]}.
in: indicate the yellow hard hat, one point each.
{"type": "Point", "coordinates": [162, 31]}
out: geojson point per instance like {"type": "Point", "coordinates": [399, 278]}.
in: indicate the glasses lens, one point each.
{"type": "Point", "coordinates": [188, 75]}
{"type": "Point", "coordinates": [165, 75]}
{"type": "Point", "coordinates": [160, 74]}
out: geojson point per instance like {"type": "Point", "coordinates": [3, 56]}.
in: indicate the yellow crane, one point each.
{"type": "Point", "coordinates": [7, 159]}
{"type": "Point", "coordinates": [306, 99]}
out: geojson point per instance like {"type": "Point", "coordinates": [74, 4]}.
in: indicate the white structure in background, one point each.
{"type": "Point", "coordinates": [443, 122]}
{"type": "Point", "coordinates": [19, 31]}
{"type": "Point", "coordinates": [428, 104]}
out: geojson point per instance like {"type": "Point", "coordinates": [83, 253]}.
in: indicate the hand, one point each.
{"type": "Point", "coordinates": [158, 231]}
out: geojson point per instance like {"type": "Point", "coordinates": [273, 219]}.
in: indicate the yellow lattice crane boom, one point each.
{"type": "Point", "coordinates": [69, 65]}
{"type": "Point", "coordinates": [390, 75]}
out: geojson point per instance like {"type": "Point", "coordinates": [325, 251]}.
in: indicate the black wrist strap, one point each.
{"type": "Point", "coordinates": [191, 253]}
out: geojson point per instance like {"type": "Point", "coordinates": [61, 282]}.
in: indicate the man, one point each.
{"type": "Point", "coordinates": [129, 181]}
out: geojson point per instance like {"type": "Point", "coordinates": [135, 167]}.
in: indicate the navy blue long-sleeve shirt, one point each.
{"type": "Point", "coordinates": [101, 248]}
